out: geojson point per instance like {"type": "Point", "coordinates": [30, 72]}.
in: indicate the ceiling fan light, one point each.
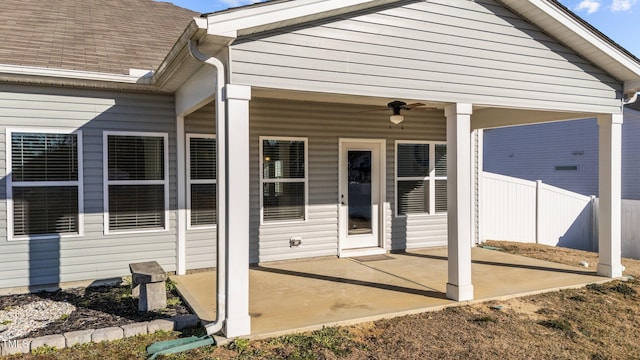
{"type": "Point", "coordinates": [396, 119]}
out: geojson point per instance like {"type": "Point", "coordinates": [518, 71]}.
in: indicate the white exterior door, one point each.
{"type": "Point", "coordinates": [361, 196]}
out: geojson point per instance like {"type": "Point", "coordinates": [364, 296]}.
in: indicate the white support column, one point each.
{"type": "Point", "coordinates": [459, 201]}
{"type": "Point", "coordinates": [238, 322]}
{"type": "Point", "coordinates": [181, 245]}
{"type": "Point", "coordinates": [610, 192]}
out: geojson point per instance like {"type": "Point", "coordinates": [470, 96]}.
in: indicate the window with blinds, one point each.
{"type": "Point", "coordinates": [284, 179]}
{"type": "Point", "coordinates": [136, 181]}
{"type": "Point", "coordinates": [201, 176]}
{"type": "Point", "coordinates": [421, 178]}
{"type": "Point", "coordinates": [44, 186]}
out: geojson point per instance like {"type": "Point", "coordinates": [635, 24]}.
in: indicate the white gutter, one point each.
{"type": "Point", "coordinates": [221, 258]}
{"type": "Point", "coordinates": [135, 77]}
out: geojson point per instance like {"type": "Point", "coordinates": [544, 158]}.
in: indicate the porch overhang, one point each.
{"type": "Point", "coordinates": [486, 118]}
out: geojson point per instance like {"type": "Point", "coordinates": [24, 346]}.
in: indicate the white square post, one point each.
{"type": "Point", "coordinates": [238, 321]}
{"type": "Point", "coordinates": [610, 192]}
{"type": "Point", "coordinates": [459, 201]}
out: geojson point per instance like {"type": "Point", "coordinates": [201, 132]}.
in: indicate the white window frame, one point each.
{"type": "Point", "coordinates": [306, 180]}
{"type": "Point", "coordinates": [106, 182]}
{"type": "Point", "coordinates": [431, 178]}
{"type": "Point", "coordinates": [11, 184]}
{"type": "Point", "coordinates": [198, 181]}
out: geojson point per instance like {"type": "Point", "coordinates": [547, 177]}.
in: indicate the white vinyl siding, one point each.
{"type": "Point", "coordinates": [421, 177]}
{"type": "Point", "coordinates": [284, 179]}
{"type": "Point", "coordinates": [136, 181]}
{"type": "Point", "coordinates": [439, 50]}
{"type": "Point", "coordinates": [201, 180]}
{"type": "Point", "coordinates": [44, 187]}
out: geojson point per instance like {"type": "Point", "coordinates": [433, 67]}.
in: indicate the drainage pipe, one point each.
{"type": "Point", "coordinates": [221, 258]}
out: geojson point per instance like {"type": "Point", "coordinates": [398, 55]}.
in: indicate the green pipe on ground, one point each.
{"type": "Point", "coordinates": [178, 345]}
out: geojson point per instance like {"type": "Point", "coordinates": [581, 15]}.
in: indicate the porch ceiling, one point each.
{"type": "Point", "coordinates": [304, 295]}
{"type": "Point", "coordinates": [483, 116]}
{"type": "Point", "coordinates": [334, 98]}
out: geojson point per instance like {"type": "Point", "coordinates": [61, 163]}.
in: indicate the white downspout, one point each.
{"type": "Point", "coordinates": [221, 263]}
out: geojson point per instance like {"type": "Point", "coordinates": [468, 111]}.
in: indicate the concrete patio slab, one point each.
{"type": "Point", "coordinates": [304, 295]}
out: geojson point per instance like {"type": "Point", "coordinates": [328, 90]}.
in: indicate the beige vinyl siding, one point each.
{"type": "Point", "coordinates": [441, 50]}
{"type": "Point", "coordinates": [323, 124]}
{"type": "Point", "coordinates": [201, 242]}
{"type": "Point", "coordinates": [93, 255]}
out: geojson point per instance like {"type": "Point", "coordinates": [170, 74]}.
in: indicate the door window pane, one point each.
{"type": "Point", "coordinates": [359, 198]}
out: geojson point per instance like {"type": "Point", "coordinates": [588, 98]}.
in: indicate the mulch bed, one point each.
{"type": "Point", "coordinates": [97, 307]}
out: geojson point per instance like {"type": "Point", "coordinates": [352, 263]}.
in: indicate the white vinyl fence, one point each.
{"type": "Point", "coordinates": [630, 228]}
{"type": "Point", "coordinates": [529, 211]}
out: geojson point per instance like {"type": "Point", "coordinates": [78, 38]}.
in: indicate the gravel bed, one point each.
{"type": "Point", "coordinates": [19, 321]}
{"type": "Point", "coordinates": [48, 313]}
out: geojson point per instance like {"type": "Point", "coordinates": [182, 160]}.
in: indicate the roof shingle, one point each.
{"type": "Point", "coordinates": [107, 36]}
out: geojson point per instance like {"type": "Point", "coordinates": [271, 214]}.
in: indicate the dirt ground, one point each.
{"type": "Point", "coordinates": [596, 322]}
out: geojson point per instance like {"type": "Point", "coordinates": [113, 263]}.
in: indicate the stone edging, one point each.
{"type": "Point", "coordinates": [69, 339]}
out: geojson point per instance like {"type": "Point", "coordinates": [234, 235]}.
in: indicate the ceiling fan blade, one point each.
{"type": "Point", "coordinates": [419, 107]}
{"type": "Point", "coordinates": [374, 110]}
{"type": "Point", "coordinates": [413, 106]}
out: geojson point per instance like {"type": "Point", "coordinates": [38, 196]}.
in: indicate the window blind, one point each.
{"type": "Point", "coordinates": [44, 183]}
{"type": "Point", "coordinates": [202, 178]}
{"type": "Point", "coordinates": [44, 157]}
{"type": "Point", "coordinates": [421, 186]}
{"type": "Point", "coordinates": [42, 210]}
{"type": "Point", "coordinates": [413, 160]}
{"type": "Point", "coordinates": [202, 152]}
{"type": "Point", "coordinates": [136, 182]}
{"type": "Point", "coordinates": [413, 197]}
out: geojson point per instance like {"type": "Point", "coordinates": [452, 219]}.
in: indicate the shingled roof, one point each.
{"type": "Point", "coordinates": [107, 36]}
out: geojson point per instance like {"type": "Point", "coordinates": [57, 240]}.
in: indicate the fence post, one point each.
{"type": "Point", "coordinates": [538, 211]}
{"type": "Point", "coordinates": [594, 225]}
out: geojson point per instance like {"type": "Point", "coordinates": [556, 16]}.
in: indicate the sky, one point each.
{"type": "Point", "coordinates": [618, 19]}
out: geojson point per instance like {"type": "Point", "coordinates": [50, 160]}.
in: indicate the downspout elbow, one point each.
{"type": "Point", "coordinates": [221, 266]}
{"type": "Point", "coordinates": [631, 98]}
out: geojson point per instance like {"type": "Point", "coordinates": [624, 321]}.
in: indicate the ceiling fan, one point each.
{"type": "Point", "coordinates": [396, 106]}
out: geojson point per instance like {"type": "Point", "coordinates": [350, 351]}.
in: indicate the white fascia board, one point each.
{"type": "Point", "coordinates": [575, 27]}
{"type": "Point", "coordinates": [232, 23]}
{"type": "Point", "coordinates": [75, 74]}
